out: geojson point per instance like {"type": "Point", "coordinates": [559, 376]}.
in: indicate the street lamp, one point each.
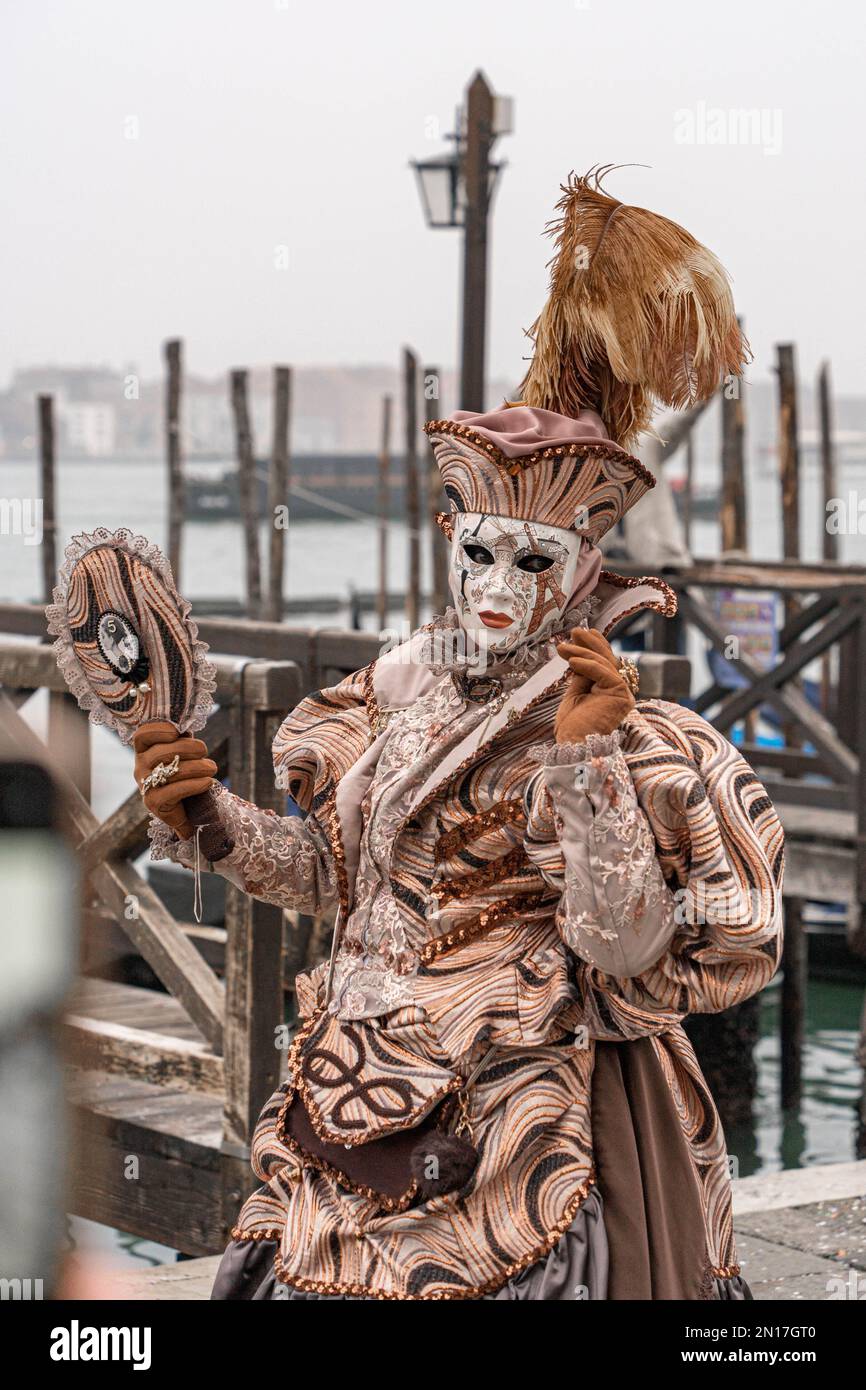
{"type": "Point", "coordinates": [439, 186]}
{"type": "Point", "coordinates": [456, 189]}
{"type": "Point", "coordinates": [442, 187]}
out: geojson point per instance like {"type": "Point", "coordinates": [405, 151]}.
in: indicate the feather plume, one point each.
{"type": "Point", "coordinates": [639, 314]}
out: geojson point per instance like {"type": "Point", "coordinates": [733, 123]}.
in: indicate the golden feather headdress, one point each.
{"type": "Point", "coordinates": [639, 314]}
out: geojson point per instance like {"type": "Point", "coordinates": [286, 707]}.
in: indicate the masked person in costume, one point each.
{"type": "Point", "coordinates": [490, 1094]}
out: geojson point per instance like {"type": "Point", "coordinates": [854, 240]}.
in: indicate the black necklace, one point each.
{"type": "Point", "coordinates": [478, 689]}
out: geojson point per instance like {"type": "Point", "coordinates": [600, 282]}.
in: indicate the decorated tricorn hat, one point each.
{"type": "Point", "coordinates": [639, 315]}
{"type": "Point", "coordinates": [525, 462]}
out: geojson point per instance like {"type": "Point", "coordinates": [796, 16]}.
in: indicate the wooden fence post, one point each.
{"type": "Point", "coordinates": [248, 490]}
{"type": "Point", "coordinates": [253, 961]}
{"type": "Point", "coordinates": [278, 491]}
{"type": "Point", "coordinates": [173, 454]}
{"type": "Point", "coordinates": [384, 467]}
{"type": "Point", "coordinates": [413, 507]}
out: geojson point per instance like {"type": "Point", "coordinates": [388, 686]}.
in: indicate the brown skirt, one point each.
{"type": "Point", "coordinates": [639, 1234]}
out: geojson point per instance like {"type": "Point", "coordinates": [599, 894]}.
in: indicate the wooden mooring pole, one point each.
{"type": "Point", "coordinates": [734, 524]}
{"type": "Point", "coordinates": [789, 477]}
{"type": "Point", "coordinates": [248, 490]}
{"type": "Point", "coordinates": [688, 492]}
{"type": "Point", "coordinates": [789, 451]}
{"type": "Point", "coordinates": [733, 513]}
{"type": "Point", "coordinates": [793, 1024]}
{"type": "Point", "coordinates": [174, 369]}
{"type": "Point", "coordinates": [795, 957]}
{"type": "Point", "coordinates": [45, 410]}
{"type": "Point", "coordinates": [384, 468]}
{"type": "Point", "coordinates": [278, 492]}
{"type": "Point", "coordinates": [829, 538]}
{"type": "Point", "coordinates": [479, 104]}
{"type": "Point", "coordinates": [413, 499]}
{"type": "Point", "coordinates": [68, 729]}
{"type": "Point", "coordinates": [829, 535]}
{"type": "Point", "coordinates": [856, 934]}
{"type": "Point", "coordinates": [437, 501]}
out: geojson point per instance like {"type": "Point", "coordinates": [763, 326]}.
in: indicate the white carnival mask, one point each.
{"type": "Point", "coordinates": [511, 580]}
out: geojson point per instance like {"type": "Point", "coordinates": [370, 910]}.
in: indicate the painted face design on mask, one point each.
{"type": "Point", "coordinates": [510, 580]}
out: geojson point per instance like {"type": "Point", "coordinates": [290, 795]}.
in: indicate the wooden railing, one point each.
{"type": "Point", "coordinates": [822, 763]}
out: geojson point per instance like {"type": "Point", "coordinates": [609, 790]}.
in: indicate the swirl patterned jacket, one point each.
{"type": "Point", "coordinates": [513, 905]}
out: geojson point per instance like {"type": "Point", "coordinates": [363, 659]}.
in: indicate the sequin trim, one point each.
{"type": "Point", "coordinates": [517, 465]}
{"type": "Point", "coordinates": [476, 826]}
{"type": "Point", "coordinates": [485, 921]}
{"type": "Point", "coordinates": [467, 885]}
{"type": "Point", "coordinates": [373, 713]}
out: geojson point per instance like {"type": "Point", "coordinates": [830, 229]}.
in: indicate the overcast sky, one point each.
{"type": "Point", "coordinates": [270, 123]}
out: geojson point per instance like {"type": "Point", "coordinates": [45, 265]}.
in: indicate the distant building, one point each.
{"type": "Point", "coordinates": [103, 413]}
{"type": "Point", "coordinates": [91, 428]}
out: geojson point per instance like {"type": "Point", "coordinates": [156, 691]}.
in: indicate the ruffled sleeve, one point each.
{"type": "Point", "coordinates": [704, 828]}
{"type": "Point", "coordinates": [616, 912]}
{"type": "Point", "coordinates": [282, 860]}
{"type": "Point", "coordinates": [286, 860]}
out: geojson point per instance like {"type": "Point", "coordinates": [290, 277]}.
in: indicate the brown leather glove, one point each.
{"type": "Point", "coordinates": [597, 697]}
{"type": "Point", "coordinates": [159, 742]}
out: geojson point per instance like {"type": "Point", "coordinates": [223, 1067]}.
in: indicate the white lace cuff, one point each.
{"type": "Point", "coordinates": [568, 754]}
{"type": "Point", "coordinates": [280, 859]}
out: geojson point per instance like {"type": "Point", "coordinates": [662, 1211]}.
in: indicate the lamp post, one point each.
{"type": "Point", "coordinates": [456, 190]}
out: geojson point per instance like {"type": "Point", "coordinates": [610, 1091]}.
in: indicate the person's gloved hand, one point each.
{"type": "Point", "coordinates": [159, 742]}
{"type": "Point", "coordinates": [597, 696]}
